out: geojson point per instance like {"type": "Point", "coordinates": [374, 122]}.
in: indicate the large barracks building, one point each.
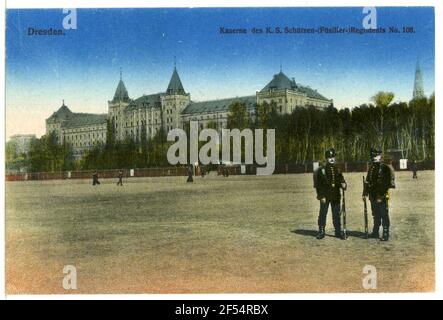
{"type": "Point", "coordinates": [170, 109]}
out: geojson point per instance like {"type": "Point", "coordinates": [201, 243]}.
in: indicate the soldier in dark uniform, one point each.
{"type": "Point", "coordinates": [95, 178]}
{"type": "Point", "coordinates": [414, 169]}
{"type": "Point", "coordinates": [190, 173]}
{"type": "Point", "coordinates": [377, 184]}
{"type": "Point", "coordinates": [328, 183]}
{"type": "Point", "coordinates": [120, 178]}
{"type": "Point", "coordinates": [222, 170]}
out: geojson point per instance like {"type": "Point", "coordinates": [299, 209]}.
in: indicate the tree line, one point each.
{"type": "Point", "coordinates": [300, 137]}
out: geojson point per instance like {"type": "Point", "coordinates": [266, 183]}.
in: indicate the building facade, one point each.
{"type": "Point", "coordinates": [143, 117]}
{"type": "Point", "coordinates": [80, 130]}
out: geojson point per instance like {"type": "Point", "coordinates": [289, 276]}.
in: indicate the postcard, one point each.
{"type": "Point", "coordinates": [220, 150]}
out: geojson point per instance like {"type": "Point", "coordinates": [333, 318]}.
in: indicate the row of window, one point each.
{"type": "Point", "coordinates": [83, 144]}
{"type": "Point", "coordinates": [76, 137]}
{"type": "Point", "coordinates": [130, 133]}
{"type": "Point", "coordinates": [219, 125]}
{"type": "Point", "coordinates": [137, 123]}
{"type": "Point", "coordinates": [182, 103]}
{"type": "Point", "coordinates": [142, 114]}
{"type": "Point", "coordinates": [83, 129]}
{"type": "Point", "coordinates": [286, 100]}
{"type": "Point", "coordinates": [300, 102]}
{"type": "Point", "coordinates": [209, 124]}
{"type": "Point", "coordinates": [134, 115]}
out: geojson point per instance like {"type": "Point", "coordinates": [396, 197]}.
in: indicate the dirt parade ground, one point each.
{"type": "Point", "coordinates": [241, 234]}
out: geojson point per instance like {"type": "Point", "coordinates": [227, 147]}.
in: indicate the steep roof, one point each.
{"type": "Point", "coordinates": [311, 93]}
{"type": "Point", "coordinates": [145, 101]}
{"type": "Point", "coordinates": [221, 105]}
{"type": "Point", "coordinates": [84, 119]}
{"type": "Point", "coordinates": [282, 82]}
{"type": "Point", "coordinates": [121, 94]}
{"type": "Point", "coordinates": [62, 113]}
{"type": "Point", "coordinates": [175, 85]}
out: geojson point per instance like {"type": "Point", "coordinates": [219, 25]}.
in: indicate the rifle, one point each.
{"type": "Point", "coordinates": [343, 215]}
{"type": "Point", "coordinates": [365, 214]}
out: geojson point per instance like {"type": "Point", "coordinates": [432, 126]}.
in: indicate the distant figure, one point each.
{"type": "Point", "coordinates": [225, 171]}
{"type": "Point", "coordinates": [95, 178]}
{"type": "Point", "coordinates": [190, 173]}
{"type": "Point", "coordinates": [414, 168]}
{"type": "Point", "coordinates": [202, 171]}
{"type": "Point", "coordinates": [120, 178]}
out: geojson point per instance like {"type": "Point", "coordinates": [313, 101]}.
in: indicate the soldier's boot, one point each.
{"type": "Point", "coordinates": [338, 234]}
{"type": "Point", "coordinates": [385, 236]}
{"type": "Point", "coordinates": [375, 233]}
{"type": "Point", "coordinates": [321, 233]}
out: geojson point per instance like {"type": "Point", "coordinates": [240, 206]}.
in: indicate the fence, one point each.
{"type": "Point", "coordinates": [145, 172]}
{"type": "Point", "coordinates": [309, 167]}
{"type": "Point", "coordinates": [182, 171]}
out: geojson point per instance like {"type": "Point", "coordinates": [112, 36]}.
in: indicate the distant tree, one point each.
{"type": "Point", "coordinates": [266, 115]}
{"type": "Point", "coordinates": [48, 155]}
{"type": "Point", "coordinates": [238, 116]}
{"type": "Point", "coordinates": [10, 152]}
{"type": "Point", "coordinates": [14, 161]}
{"type": "Point", "coordinates": [110, 133]}
{"type": "Point", "coordinates": [382, 99]}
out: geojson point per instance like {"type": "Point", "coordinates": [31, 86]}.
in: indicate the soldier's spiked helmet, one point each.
{"type": "Point", "coordinates": [375, 152]}
{"type": "Point", "coordinates": [330, 153]}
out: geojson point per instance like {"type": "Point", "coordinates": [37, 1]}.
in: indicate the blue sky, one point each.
{"type": "Point", "coordinates": [82, 66]}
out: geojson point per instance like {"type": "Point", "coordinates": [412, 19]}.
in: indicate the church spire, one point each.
{"type": "Point", "coordinates": [418, 92]}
